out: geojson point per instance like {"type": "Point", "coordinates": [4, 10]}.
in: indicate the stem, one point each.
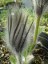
{"type": "Point", "coordinates": [36, 29]}
{"type": "Point", "coordinates": [35, 33]}
{"type": "Point", "coordinates": [20, 58]}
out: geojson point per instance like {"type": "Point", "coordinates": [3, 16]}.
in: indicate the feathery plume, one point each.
{"type": "Point", "coordinates": [17, 33]}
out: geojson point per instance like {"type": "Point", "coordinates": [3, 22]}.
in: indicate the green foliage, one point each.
{"type": "Point", "coordinates": [13, 59]}
{"type": "Point", "coordinates": [44, 19]}
{"type": "Point", "coordinates": [1, 34]}
{"type": "Point", "coordinates": [3, 17]}
{"type": "Point", "coordinates": [3, 2]}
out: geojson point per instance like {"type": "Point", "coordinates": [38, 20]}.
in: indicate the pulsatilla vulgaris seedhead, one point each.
{"type": "Point", "coordinates": [17, 30]}
{"type": "Point", "coordinates": [40, 5]}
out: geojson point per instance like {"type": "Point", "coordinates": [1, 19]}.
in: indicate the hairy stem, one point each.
{"type": "Point", "coordinates": [20, 58]}
{"type": "Point", "coordinates": [36, 32]}
{"type": "Point", "coordinates": [36, 29]}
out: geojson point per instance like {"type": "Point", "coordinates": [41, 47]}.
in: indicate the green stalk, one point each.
{"type": "Point", "coordinates": [20, 58]}
{"type": "Point", "coordinates": [36, 32]}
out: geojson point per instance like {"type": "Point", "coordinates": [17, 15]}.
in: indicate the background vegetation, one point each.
{"type": "Point", "coordinates": [3, 18]}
